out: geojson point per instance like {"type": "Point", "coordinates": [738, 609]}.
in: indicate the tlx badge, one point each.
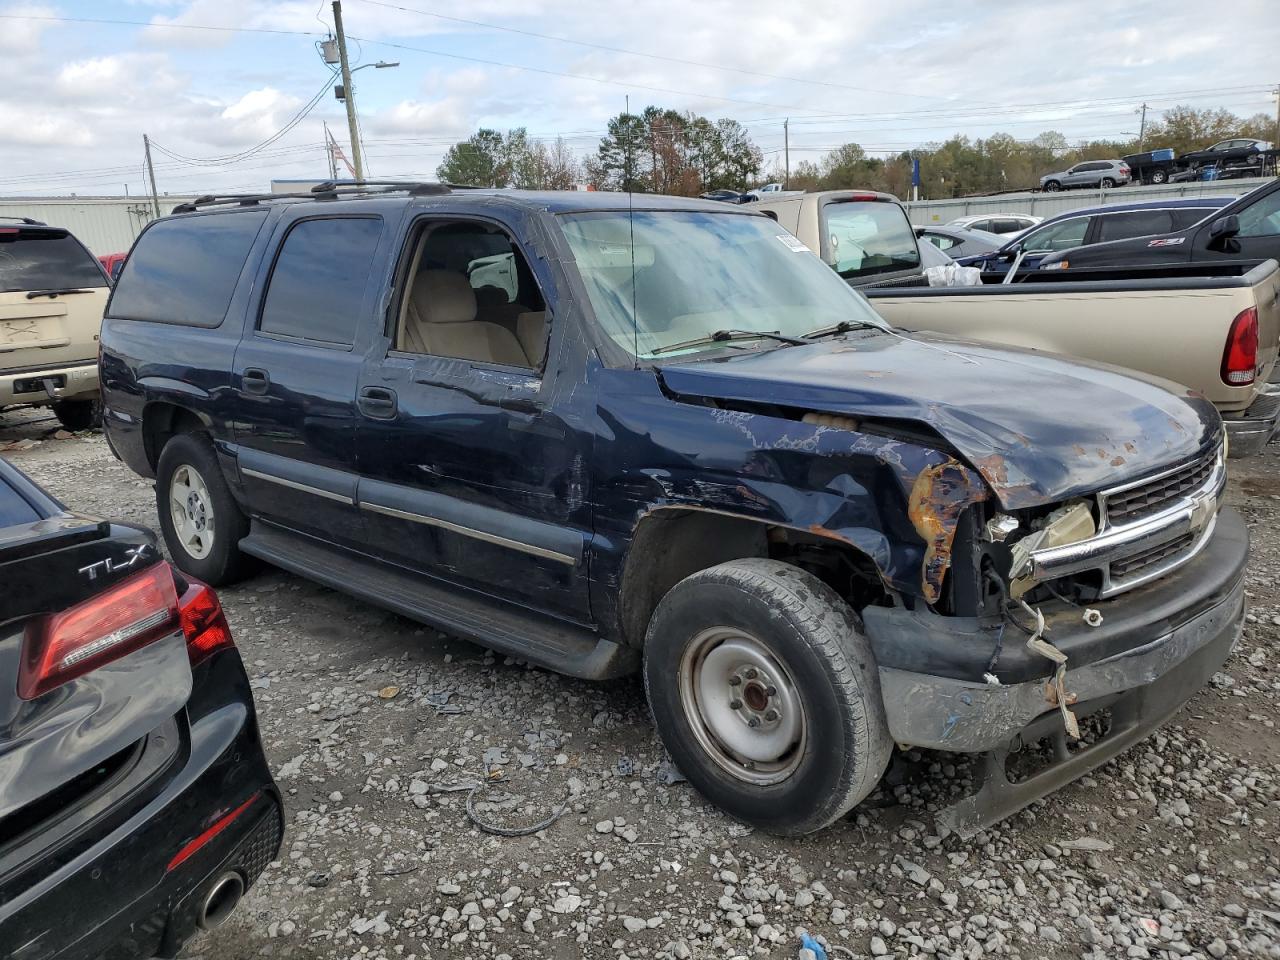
{"type": "Point", "coordinates": [132, 557]}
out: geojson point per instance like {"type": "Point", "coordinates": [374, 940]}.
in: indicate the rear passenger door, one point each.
{"type": "Point", "coordinates": [469, 472]}
{"type": "Point", "coordinates": [295, 375]}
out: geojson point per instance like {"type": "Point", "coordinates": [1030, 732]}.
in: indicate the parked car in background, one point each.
{"type": "Point", "coordinates": [52, 291]}
{"type": "Point", "coordinates": [956, 242]}
{"type": "Point", "coordinates": [1091, 225]}
{"type": "Point", "coordinates": [1245, 228]}
{"type": "Point", "coordinates": [112, 263]}
{"type": "Point", "coordinates": [724, 196]}
{"type": "Point", "coordinates": [693, 452]}
{"type": "Point", "coordinates": [1243, 151]}
{"type": "Point", "coordinates": [1090, 173]}
{"type": "Point", "coordinates": [136, 806]}
{"type": "Point", "coordinates": [863, 235]}
{"type": "Point", "coordinates": [997, 223]}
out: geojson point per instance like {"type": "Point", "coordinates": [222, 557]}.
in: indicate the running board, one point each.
{"type": "Point", "coordinates": [530, 636]}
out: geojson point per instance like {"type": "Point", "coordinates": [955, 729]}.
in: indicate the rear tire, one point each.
{"type": "Point", "coordinates": [78, 414]}
{"type": "Point", "coordinates": [1053, 186]}
{"type": "Point", "coordinates": [201, 522]}
{"type": "Point", "coordinates": [765, 691]}
{"type": "Point", "coordinates": [1107, 183]}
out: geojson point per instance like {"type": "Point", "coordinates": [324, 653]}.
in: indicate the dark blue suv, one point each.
{"type": "Point", "coordinates": [606, 433]}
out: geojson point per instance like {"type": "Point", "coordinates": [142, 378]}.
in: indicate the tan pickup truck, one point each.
{"type": "Point", "coordinates": [52, 294]}
{"type": "Point", "coordinates": [1212, 327]}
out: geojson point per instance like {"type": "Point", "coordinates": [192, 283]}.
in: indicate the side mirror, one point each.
{"type": "Point", "coordinates": [1224, 227]}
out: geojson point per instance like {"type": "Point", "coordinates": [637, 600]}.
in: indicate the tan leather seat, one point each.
{"type": "Point", "coordinates": [531, 331]}
{"type": "Point", "coordinates": [441, 321]}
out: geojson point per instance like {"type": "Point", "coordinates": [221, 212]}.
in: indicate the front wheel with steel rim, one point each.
{"type": "Point", "coordinates": [765, 691]}
{"type": "Point", "coordinates": [201, 522]}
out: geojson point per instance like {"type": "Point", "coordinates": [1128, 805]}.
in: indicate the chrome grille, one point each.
{"type": "Point", "coordinates": [1130, 566]}
{"type": "Point", "coordinates": [1136, 502]}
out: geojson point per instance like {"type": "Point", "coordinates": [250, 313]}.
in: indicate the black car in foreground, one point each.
{"type": "Point", "coordinates": [136, 806]}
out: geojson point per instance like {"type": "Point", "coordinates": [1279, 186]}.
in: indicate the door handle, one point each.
{"type": "Point", "coordinates": [255, 380]}
{"type": "Point", "coordinates": [378, 403]}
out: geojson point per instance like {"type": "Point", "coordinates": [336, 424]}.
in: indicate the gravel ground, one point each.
{"type": "Point", "coordinates": [373, 722]}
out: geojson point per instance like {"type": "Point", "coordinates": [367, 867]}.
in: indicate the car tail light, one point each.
{"type": "Point", "coordinates": [863, 195]}
{"type": "Point", "coordinates": [203, 622]}
{"type": "Point", "coordinates": [59, 647]}
{"type": "Point", "coordinates": [1240, 358]}
{"type": "Point", "coordinates": [1124, 168]}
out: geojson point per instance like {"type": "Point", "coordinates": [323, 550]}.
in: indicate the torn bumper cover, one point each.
{"type": "Point", "coordinates": [932, 668]}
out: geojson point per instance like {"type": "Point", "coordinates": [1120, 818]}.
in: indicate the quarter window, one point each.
{"type": "Point", "coordinates": [184, 270]}
{"type": "Point", "coordinates": [318, 283]}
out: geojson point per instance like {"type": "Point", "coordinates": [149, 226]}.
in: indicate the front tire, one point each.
{"type": "Point", "coordinates": [78, 415]}
{"type": "Point", "coordinates": [1053, 186]}
{"type": "Point", "coordinates": [1159, 176]}
{"type": "Point", "coordinates": [201, 522]}
{"type": "Point", "coordinates": [765, 692]}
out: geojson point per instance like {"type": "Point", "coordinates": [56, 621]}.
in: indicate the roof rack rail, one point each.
{"type": "Point", "coordinates": [327, 190]}
{"type": "Point", "coordinates": [27, 220]}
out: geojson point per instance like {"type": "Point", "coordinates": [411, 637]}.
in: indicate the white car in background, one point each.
{"type": "Point", "coordinates": [1002, 223]}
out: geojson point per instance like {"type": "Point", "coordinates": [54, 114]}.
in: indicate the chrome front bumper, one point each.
{"type": "Point", "coordinates": [1186, 523]}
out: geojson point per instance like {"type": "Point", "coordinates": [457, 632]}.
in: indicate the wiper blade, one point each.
{"type": "Point", "coordinates": [727, 336]}
{"type": "Point", "coordinates": [32, 294]}
{"type": "Point", "coordinates": [844, 326]}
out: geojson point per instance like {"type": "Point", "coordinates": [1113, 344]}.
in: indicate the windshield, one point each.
{"type": "Point", "coordinates": [45, 260]}
{"type": "Point", "coordinates": [868, 237]}
{"type": "Point", "coordinates": [691, 274]}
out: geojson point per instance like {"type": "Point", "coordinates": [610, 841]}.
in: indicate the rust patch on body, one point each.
{"type": "Point", "coordinates": [938, 496]}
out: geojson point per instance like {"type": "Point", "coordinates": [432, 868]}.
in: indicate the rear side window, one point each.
{"type": "Point", "coordinates": [318, 283]}
{"type": "Point", "coordinates": [45, 260]}
{"type": "Point", "coordinates": [1186, 216]}
{"type": "Point", "coordinates": [1138, 223]}
{"type": "Point", "coordinates": [184, 270]}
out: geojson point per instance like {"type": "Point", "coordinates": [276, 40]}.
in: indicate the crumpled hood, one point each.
{"type": "Point", "coordinates": [1038, 427]}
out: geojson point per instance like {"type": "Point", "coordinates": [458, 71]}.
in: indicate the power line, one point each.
{"type": "Point", "coordinates": [651, 56]}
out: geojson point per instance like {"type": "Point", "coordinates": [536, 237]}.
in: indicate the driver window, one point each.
{"type": "Point", "coordinates": [1059, 236]}
{"type": "Point", "coordinates": [470, 295]}
{"type": "Point", "coordinates": [1262, 219]}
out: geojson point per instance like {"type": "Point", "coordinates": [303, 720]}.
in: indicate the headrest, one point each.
{"type": "Point", "coordinates": [442, 296]}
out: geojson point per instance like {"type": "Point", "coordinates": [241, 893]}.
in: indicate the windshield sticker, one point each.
{"type": "Point", "coordinates": [795, 244]}
{"type": "Point", "coordinates": [1166, 242]}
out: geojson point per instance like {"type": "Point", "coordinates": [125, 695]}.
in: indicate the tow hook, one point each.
{"type": "Point", "coordinates": [1055, 689]}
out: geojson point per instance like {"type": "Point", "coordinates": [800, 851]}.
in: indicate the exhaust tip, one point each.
{"type": "Point", "coordinates": [221, 900]}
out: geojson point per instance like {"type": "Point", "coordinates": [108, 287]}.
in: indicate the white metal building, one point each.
{"type": "Point", "coordinates": [103, 224]}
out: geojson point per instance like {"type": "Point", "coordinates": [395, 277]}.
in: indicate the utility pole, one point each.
{"type": "Point", "coordinates": [786, 151]}
{"type": "Point", "coordinates": [349, 95]}
{"type": "Point", "coordinates": [1142, 129]}
{"type": "Point", "coordinates": [328, 152]}
{"type": "Point", "coordinates": [1276, 93]}
{"type": "Point", "coordinates": [151, 175]}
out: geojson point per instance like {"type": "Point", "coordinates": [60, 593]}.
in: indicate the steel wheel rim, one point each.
{"type": "Point", "coordinates": [729, 678]}
{"type": "Point", "coordinates": [191, 510]}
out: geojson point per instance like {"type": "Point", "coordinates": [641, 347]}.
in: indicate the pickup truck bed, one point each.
{"type": "Point", "coordinates": [1170, 322]}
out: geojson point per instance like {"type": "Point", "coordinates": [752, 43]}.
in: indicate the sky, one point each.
{"type": "Point", "coordinates": [210, 80]}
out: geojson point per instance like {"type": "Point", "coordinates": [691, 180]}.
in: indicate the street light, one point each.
{"type": "Point", "coordinates": [380, 65]}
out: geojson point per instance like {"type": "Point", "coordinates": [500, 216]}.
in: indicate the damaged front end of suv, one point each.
{"type": "Point", "coordinates": [1026, 584]}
